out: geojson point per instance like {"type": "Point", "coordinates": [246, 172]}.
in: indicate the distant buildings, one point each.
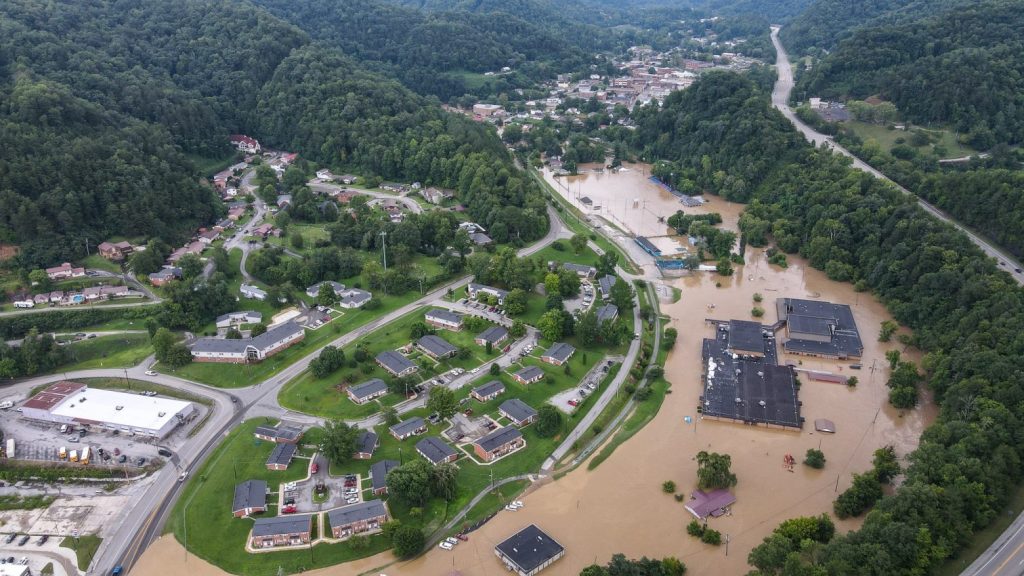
{"type": "Point", "coordinates": [360, 518]}
{"type": "Point", "coordinates": [238, 318]}
{"type": "Point", "coordinates": [607, 313]}
{"type": "Point", "coordinates": [274, 531]}
{"type": "Point", "coordinates": [64, 271]}
{"type": "Point", "coordinates": [245, 143]}
{"type": "Point", "coordinates": [281, 456]}
{"type": "Point", "coordinates": [436, 347]}
{"type": "Point", "coordinates": [488, 391]}
{"type": "Point", "coordinates": [494, 336]}
{"type": "Point", "coordinates": [252, 292]}
{"type": "Point", "coordinates": [816, 328]}
{"type": "Point", "coordinates": [379, 475]}
{"type": "Point", "coordinates": [437, 195]}
{"type": "Point", "coordinates": [476, 290]}
{"type": "Point", "coordinates": [246, 350]}
{"type": "Point", "coordinates": [166, 275]}
{"type": "Point", "coordinates": [115, 250]}
{"type": "Point", "coordinates": [250, 498]}
{"type": "Point", "coordinates": [366, 444]}
{"type": "Point", "coordinates": [407, 428]}
{"type": "Point", "coordinates": [281, 433]}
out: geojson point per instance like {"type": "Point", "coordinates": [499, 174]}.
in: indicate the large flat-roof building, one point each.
{"type": "Point", "coordinates": [746, 337]}
{"type": "Point", "coordinates": [749, 389]}
{"type": "Point", "coordinates": [69, 402]}
{"type": "Point", "coordinates": [529, 551]}
{"type": "Point", "coordinates": [819, 328]}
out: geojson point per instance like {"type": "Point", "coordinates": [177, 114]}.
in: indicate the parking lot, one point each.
{"type": "Point", "coordinates": [581, 302]}
{"type": "Point", "coordinates": [567, 400]}
{"type": "Point", "coordinates": [341, 490]}
{"type": "Point", "coordinates": [42, 441]}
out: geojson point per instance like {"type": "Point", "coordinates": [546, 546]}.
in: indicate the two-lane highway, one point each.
{"type": "Point", "coordinates": [780, 99]}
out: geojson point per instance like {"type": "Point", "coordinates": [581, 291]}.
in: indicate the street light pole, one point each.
{"type": "Point", "coordinates": [384, 247]}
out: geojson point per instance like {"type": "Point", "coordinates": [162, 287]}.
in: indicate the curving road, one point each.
{"type": "Point", "coordinates": [780, 100]}
{"type": "Point", "coordinates": [322, 187]}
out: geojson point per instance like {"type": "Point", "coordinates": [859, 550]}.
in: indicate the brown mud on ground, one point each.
{"type": "Point", "coordinates": [619, 507]}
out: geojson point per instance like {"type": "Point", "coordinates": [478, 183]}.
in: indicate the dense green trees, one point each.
{"type": "Point", "coordinates": [339, 441]}
{"type": "Point", "coordinates": [713, 470]}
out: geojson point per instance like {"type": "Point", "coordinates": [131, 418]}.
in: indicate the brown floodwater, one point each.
{"type": "Point", "coordinates": [620, 507]}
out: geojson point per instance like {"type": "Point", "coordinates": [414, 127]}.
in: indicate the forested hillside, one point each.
{"type": "Point", "coordinates": [965, 314]}
{"type": "Point", "coordinates": [100, 101]}
{"type": "Point", "coordinates": [826, 22]}
{"type": "Point", "coordinates": [964, 68]}
{"type": "Point", "coordinates": [720, 135]}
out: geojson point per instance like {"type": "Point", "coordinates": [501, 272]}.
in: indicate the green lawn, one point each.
{"type": "Point", "coordinates": [493, 502]}
{"type": "Point", "coordinates": [325, 396]}
{"type": "Point", "coordinates": [210, 166]}
{"type": "Point", "coordinates": [472, 80]}
{"type": "Point", "coordinates": [114, 351]}
{"type": "Point", "coordinates": [85, 547]}
{"type": "Point", "coordinates": [310, 234]}
{"type": "Point", "coordinates": [97, 262]}
{"type": "Point", "coordinates": [887, 138]}
{"type": "Point", "coordinates": [218, 537]}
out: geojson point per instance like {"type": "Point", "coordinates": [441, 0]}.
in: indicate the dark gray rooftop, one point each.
{"type": "Point", "coordinates": [356, 513]}
{"type": "Point", "coordinates": [281, 455]}
{"type": "Point", "coordinates": [499, 438]}
{"type": "Point", "coordinates": [379, 472]}
{"type": "Point", "coordinates": [368, 388]}
{"type": "Point", "coordinates": [492, 387]}
{"type": "Point", "coordinates": [262, 342]}
{"type": "Point", "coordinates": [250, 494]}
{"type": "Point", "coordinates": [766, 392]}
{"type": "Point", "coordinates": [281, 525]}
{"type": "Point", "coordinates": [845, 340]}
{"type": "Point", "coordinates": [407, 426]}
{"type": "Point", "coordinates": [366, 442]}
{"type": "Point", "coordinates": [434, 449]}
{"type": "Point", "coordinates": [445, 315]}
{"type": "Point", "coordinates": [473, 287]}
{"type": "Point", "coordinates": [560, 351]}
{"type": "Point", "coordinates": [530, 372]}
{"type": "Point", "coordinates": [529, 549]}
{"type": "Point", "coordinates": [746, 336]}
{"type": "Point", "coordinates": [579, 268]}
{"type": "Point", "coordinates": [811, 324]}
{"type": "Point", "coordinates": [436, 345]}
{"type": "Point", "coordinates": [493, 334]}
{"type": "Point", "coordinates": [605, 283]}
{"type": "Point", "coordinates": [394, 361]}
{"type": "Point", "coordinates": [607, 312]}
{"type": "Point", "coordinates": [517, 410]}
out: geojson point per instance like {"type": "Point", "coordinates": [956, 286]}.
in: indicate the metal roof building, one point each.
{"type": "Point", "coordinates": [529, 551]}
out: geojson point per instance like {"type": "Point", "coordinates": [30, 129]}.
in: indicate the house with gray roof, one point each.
{"type": "Point", "coordinates": [499, 443]}
{"type": "Point", "coordinates": [443, 318]}
{"type": "Point", "coordinates": [604, 284]}
{"type": "Point", "coordinates": [488, 391]}
{"type": "Point", "coordinates": [379, 475]}
{"type": "Point", "coordinates": [528, 375]}
{"type": "Point", "coordinates": [314, 290]}
{"type": "Point", "coordinates": [581, 270]}
{"type": "Point", "coordinates": [250, 498]}
{"type": "Point", "coordinates": [273, 531]}
{"type": "Point", "coordinates": [348, 521]}
{"type": "Point", "coordinates": [396, 364]}
{"type": "Point", "coordinates": [409, 427]}
{"type": "Point", "coordinates": [252, 292]}
{"type": "Point", "coordinates": [354, 298]}
{"type": "Point", "coordinates": [519, 412]}
{"type": "Point", "coordinates": [494, 336]}
{"type": "Point", "coordinates": [366, 444]}
{"type": "Point", "coordinates": [476, 290]}
{"type": "Point", "coordinates": [366, 391]}
{"type": "Point", "coordinates": [238, 318]}
{"type": "Point", "coordinates": [281, 456]}
{"type": "Point", "coordinates": [244, 350]}
{"type": "Point", "coordinates": [558, 354]}
{"type": "Point", "coordinates": [529, 551]}
{"type": "Point", "coordinates": [436, 451]}
{"type": "Point", "coordinates": [436, 347]}
{"type": "Point", "coordinates": [282, 433]}
{"type": "Point", "coordinates": [607, 313]}
{"type": "Point", "coordinates": [165, 275]}
{"type": "Point", "coordinates": [480, 239]}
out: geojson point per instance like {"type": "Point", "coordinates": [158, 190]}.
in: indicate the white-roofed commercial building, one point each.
{"type": "Point", "coordinates": [75, 403]}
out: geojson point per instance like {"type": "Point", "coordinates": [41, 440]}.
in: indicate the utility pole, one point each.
{"type": "Point", "coordinates": [384, 247]}
{"type": "Point", "coordinates": [126, 380]}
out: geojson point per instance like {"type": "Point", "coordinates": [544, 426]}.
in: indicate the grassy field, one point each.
{"type": "Point", "coordinates": [114, 351]}
{"type": "Point", "coordinates": [493, 502]}
{"type": "Point", "coordinates": [325, 397]}
{"type": "Point", "coordinates": [472, 80]}
{"type": "Point", "coordinates": [887, 138]}
{"type": "Point", "coordinates": [218, 537]}
{"type": "Point", "coordinates": [16, 502]}
{"type": "Point", "coordinates": [85, 547]}
{"type": "Point", "coordinates": [97, 262]}
{"type": "Point", "coordinates": [210, 166]}
{"type": "Point", "coordinates": [239, 375]}
{"type": "Point", "coordinates": [311, 233]}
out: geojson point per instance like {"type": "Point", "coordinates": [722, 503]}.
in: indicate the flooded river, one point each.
{"type": "Point", "coordinates": [620, 507]}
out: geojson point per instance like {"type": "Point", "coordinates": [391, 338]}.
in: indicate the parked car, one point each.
{"type": "Point", "coordinates": [451, 541]}
{"type": "Point", "coordinates": [24, 540]}
{"type": "Point", "coordinates": [289, 501]}
{"type": "Point", "coordinates": [140, 461]}
{"type": "Point", "coordinates": [288, 510]}
{"type": "Point", "coordinates": [165, 452]}
{"type": "Point", "coordinates": [122, 459]}
{"type": "Point", "coordinates": [574, 402]}
{"type": "Point", "coordinates": [314, 468]}
{"type": "Point", "coordinates": [73, 439]}
{"type": "Point", "coordinates": [117, 451]}
{"type": "Point", "coordinates": [351, 500]}
{"type": "Point", "coordinates": [10, 538]}
{"type": "Point", "coordinates": [150, 372]}
{"type": "Point", "coordinates": [474, 370]}
{"type": "Point", "coordinates": [42, 540]}
{"type": "Point", "coordinates": [183, 476]}
{"type": "Point", "coordinates": [462, 537]}
{"type": "Point", "coordinates": [445, 545]}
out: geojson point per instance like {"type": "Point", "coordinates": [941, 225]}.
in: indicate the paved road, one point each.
{"type": "Point", "coordinates": [238, 239]}
{"type": "Point", "coordinates": [780, 99]}
{"type": "Point", "coordinates": [1006, 555]}
{"type": "Point", "coordinates": [317, 185]}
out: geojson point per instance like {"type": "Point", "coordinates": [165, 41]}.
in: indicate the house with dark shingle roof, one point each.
{"type": "Point", "coordinates": [281, 457]}
{"type": "Point", "coordinates": [558, 354]}
{"type": "Point", "coordinates": [409, 427]}
{"type": "Point", "coordinates": [395, 363]}
{"type": "Point", "coordinates": [607, 313]}
{"type": "Point", "coordinates": [379, 475]}
{"type": "Point", "coordinates": [499, 443]}
{"type": "Point", "coordinates": [281, 433]}
{"type": "Point", "coordinates": [246, 350]}
{"type": "Point", "coordinates": [436, 451]}
{"type": "Point", "coordinates": [444, 318]}
{"type": "Point", "coordinates": [436, 347]}
{"type": "Point", "coordinates": [529, 551]}
{"type": "Point", "coordinates": [290, 530]}
{"type": "Point", "coordinates": [604, 284]}
{"type": "Point", "coordinates": [488, 391]}
{"type": "Point", "coordinates": [581, 270]}
{"type": "Point", "coordinates": [250, 498]}
{"type": "Point", "coordinates": [358, 518]}
{"type": "Point", "coordinates": [519, 412]}
{"type": "Point", "coordinates": [366, 444]}
{"type": "Point", "coordinates": [494, 335]}
{"type": "Point", "coordinates": [528, 375]}
{"type": "Point", "coordinates": [475, 290]}
{"type": "Point", "coordinates": [365, 391]}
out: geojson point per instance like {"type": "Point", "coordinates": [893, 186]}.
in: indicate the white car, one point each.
{"type": "Point", "coordinates": [289, 486]}
{"type": "Point", "coordinates": [183, 476]}
{"type": "Point", "coordinates": [445, 546]}
{"type": "Point", "coordinates": [474, 370]}
{"type": "Point", "coordinates": [517, 503]}
{"type": "Point", "coordinates": [451, 541]}
{"type": "Point", "coordinates": [150, 372]}
{"type": "Point", "coordinates": [352, 500]}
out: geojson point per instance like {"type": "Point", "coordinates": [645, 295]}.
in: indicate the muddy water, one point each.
{"type": "Point", "coordinates": [619, 507]}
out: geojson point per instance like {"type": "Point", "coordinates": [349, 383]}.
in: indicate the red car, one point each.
{"type": "Point", "coordinates": [462, 537]}
{"type": "Point", "coordinates": [314, 468]}
{"type": "Point", "coordinates": [288, 510]}
{"type": "Point", "coordinates": [574, 403]}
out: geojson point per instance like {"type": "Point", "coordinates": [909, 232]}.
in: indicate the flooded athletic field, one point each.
{"type": "Point", "coordinates": [619, 506]}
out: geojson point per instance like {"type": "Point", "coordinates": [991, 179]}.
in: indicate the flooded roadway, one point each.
{"type": "Point", "coordinates": [619, 507]}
